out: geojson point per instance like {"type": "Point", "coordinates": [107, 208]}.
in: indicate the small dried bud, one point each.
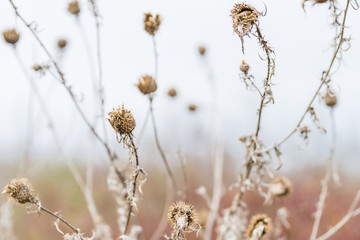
{"type": "Point", "coordinates": [280, 187]}
{"type": "Point", "coordinates": [320, 1]}
{"type": "Point", "coordinates": [151, 24]}
{"type": "Point", "coordinates": [259, 226]}
{"type": "Point", "coordinates": [36, 67]}
{"type": "Point", "coordinates": [147, 84]}
{"type": "Point", "coordinates": [122, 121]}
{"type": "Point", "coordinates": [202, 50]}
{"type": "Point", "coordinates": [62, 43]}
{"type": "Point", "coordinates": [330, 98]}
{"type": "Point", "coordinates": [73, 7]}
{"type": "Point", "coordinates": [183, 217]}
{"type": "Point", "coordinates": [21, 191]}
{"type": "Point", "coordinates": [192, 107]}
{"type": "Point", "coordinates": [172, 92]}
{"type": "Point", "coordinates": [244, 67]}
{"type": "Point", "coordinates": [11, 36]}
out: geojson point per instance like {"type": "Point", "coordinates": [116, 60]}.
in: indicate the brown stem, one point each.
{"type": "Point", "coordinates": [171, 175]}
{"type": "Point", "coordinates": [56, 215]}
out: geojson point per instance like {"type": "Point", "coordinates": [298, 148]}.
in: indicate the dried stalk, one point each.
{"type": "Point", "coordinates": [57, 215]}
{"type": "Point", "coordinates": [323, 81]}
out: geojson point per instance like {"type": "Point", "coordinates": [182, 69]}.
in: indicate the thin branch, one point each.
{"type": "Point", "coordinates": [57, 215]}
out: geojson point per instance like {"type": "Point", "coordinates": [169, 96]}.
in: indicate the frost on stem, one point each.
{"type": "Point", "coordinates": [183, 219]}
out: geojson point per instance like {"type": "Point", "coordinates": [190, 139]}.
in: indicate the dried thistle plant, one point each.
{"type": "Point", "coordinates": [183, 219]}
{"type": "Point", "coordinates": [73, 7]}
{"type": "Point", "coordinates": [172, 92]}
{"type": "Point", "coordinates": [146, 84]}
{"type": "Point", "coordinates": [62, 43]}
{"type": "Point", "coordinates": [259, 226]}
{"type": "Point", "coordinates": [245, 17]}
{"type": "Point", "coordinates": [151, 23]}
{"type": "Point", "coordinates": [123, 122]}
{"type": "Point", "coordinates": [11, 36]}
{"type": "Point", "coordinates": [21, 191]}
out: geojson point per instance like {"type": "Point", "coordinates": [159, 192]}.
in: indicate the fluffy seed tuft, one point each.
{"type": "Point", "coordinates": [183, 217]}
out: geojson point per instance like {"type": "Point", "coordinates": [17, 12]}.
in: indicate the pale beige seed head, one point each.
{"type": "Point", "coordinates": [182, 216]}
{"type": "Point", "coordinates": [244, 67]}
{"type": "Point", "coordinates": [280, 187]}
{"type": "Point", "coordinates": [122, 121]}
{"type": "Point", "coordinates": [202, 50]}
{"type": "Point", "coordinates": [61, 43]}
{"type": "Point", "coordinates": [146, 84]}
{"type": "Point", "coordinates": [21, 191]}
{"type": "Point", "coordinates": [11, 36]}
{"type": "Point", "coordinates": [151, 23]}
{"type": "Point", "coordinates": [73, 7]}
{"type": "Point", "coordinates": [330, 98]}
{"type": "Point", "coordinates": [172, 92]}
{"type": "Point", "coordinates": [259, 226]}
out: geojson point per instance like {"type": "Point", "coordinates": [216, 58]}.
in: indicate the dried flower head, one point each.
{"type": "Point", "coordinates": [73, 7]}
{"type": "Point", "coordinates": [151, 23]}
{"type": "Point", "coordinates": [21, 191]}
{"type": "Point", "coordinates": [122, 121]}
{"type": "Point", "coordinates": [330, 98]}
{"type": "Point", "coordinates": [244, 67]}
{"type": "Point", "coordinates": [11, 36]}
{"type": "Point", "coordinates": [244, 18]}
{"type": "Point", "coordinates": [172, 92]}
{"type": "Point", "coordinates": [202, 50]}
{"type": "Point", "coordinates": [62, 43]}
{"type": "Point", "coordinates": [192, 107]}
{"type": "Point", "coordinates": [36, 67]}
{"type": "Point", "coordinates": [280, 187]}
{"type": "Point", "coordinates": [183, 217]}
{"type": "Point", "coordinates": [259, 226]}
{"type": "Point", "coordinates": [147, 84]}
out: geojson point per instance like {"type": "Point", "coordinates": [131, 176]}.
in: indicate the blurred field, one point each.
{"type": "Point", "coordinates": [58, 191]}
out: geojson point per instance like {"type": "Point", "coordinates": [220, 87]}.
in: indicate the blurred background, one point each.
{"type": "Point", "coordinates": [302, 44]}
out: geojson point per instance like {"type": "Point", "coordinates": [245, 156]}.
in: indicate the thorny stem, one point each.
{"type": "Point", "coordinates": [323, 81]}
{"type": "Point", "coordinates": [57, 215]}
{"type": "Point", "coordinates": [64, 83]}
{"type": "Point", "coordinates": [171, 175]}
{"type": "Point", "coordinates": [268, 76]}
{"type": "Point", "coordinates": [134, 182]}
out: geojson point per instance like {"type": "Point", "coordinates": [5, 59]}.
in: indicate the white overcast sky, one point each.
{"type": "Point", "coordinates": [301, 42]}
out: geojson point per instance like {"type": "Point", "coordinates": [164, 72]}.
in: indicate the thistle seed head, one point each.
{"type": "Point", "coordinates": [202, 50]}
{"type": "Point", "coordinates": [11, 36]}
{"type": "Point", "coordinates": [122, 121]}
{"type": "Point", "coordinates": [62, 43]}
{"type": "Point", "coordinates": [244, 17]}
{"type": "Point", "coordinates": [330, 98]}
{"type": "Point", "coordinates": [151, 23]}
{"type": "Point", "coordinates": [183, 217]}
{"type": "Point", "coordinates": [146, 84]}
{"type": "Point", "coordinates": [259, 226]}
{"type": "Point", "coordinates": [73, 7]}
{"type": "Point", "coordinates": [21, 191]}
{"type": "Point", "coordinates": [280, 187]}
{"type": "Point", "coordinates": [244, 67]}
{"type": "Point", "coordinates": [192, 107]}
{"type": "Point", "coordinates": [172, 92]}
